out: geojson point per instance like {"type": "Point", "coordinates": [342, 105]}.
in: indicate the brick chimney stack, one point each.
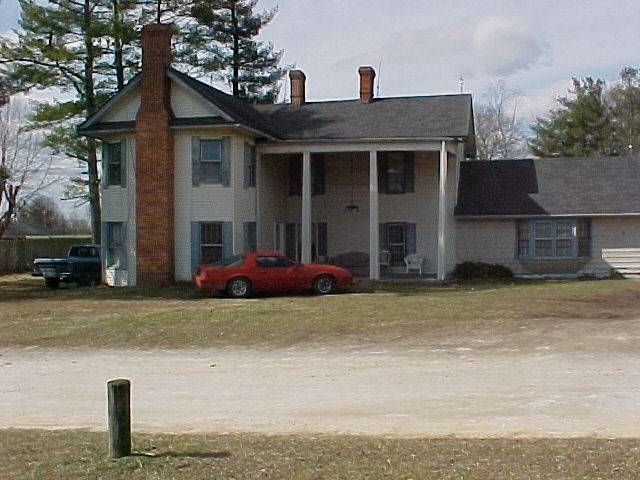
{"type": "Point", "coordinates": [367, 76]}
{"type": "Point", "coordinates": [298, 79]}
{"type": "Point", "coordinates": [155, 162]}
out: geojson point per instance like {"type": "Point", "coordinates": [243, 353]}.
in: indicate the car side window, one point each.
{"type": "Point", "coordinates": [273, 262]}
{"type": "Point", "coordinates": [267, 262]}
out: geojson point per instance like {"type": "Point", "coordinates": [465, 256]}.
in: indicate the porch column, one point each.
{"type": "Point", "coordinates": [442, 210]}
{"type": "Point", "coordinates": [374, 247]}
{"type": "Point", "coordinates": [259, 244]}
{"type": "Point", "coordinates": [305, 254]}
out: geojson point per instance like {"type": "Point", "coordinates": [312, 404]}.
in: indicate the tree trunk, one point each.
{"type": "Point", "coordinates": [236, 51]}
{"type": "Point", "coordinates": [117, 46]}
{"type": "Point", "coordinates": [90, 106]}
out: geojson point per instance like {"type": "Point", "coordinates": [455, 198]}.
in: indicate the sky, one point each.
{"type": "Point", "coordinates": [423, 47]}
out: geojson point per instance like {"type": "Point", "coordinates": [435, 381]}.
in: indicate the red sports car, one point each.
{"type": "Point", "coordinates": [241, 275]}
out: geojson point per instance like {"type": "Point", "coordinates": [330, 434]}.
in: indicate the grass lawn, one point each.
{"type": "Point", "coordinates": [80, 454]}
{"type": "Point", "coordinates": [180, 317]}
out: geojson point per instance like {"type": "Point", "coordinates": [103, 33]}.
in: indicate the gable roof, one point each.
{"type": "Point", "coordinates": [424, 117]}
{"type": "Point", "coordinates": [549, 186]}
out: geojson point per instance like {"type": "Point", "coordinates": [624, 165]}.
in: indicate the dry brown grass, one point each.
{"type": "Point", "coordinates": [80, 454]}
{"type": "Point", "coordinates": [179, 317]}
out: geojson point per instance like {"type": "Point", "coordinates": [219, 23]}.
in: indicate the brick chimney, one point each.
{"type": "Point", "coordinates": [367, 75]}
{"type": "Point", "coordinates": [155, 162]}
{"type": "Point", "coordinates": [298, 79]}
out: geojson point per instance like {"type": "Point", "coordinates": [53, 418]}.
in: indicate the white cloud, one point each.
{"type": "Point", "coordinates": [504, 45]}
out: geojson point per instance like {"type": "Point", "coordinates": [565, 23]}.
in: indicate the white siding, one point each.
{"type": "Point", "coordinates": [119, 205]}
{"type": "Point", "coordinates": [245, 198]}
{"type": "Point", "coordinates": [125, 109]}
{"type": "Point", "coordinates": [185, 103]}
{"type": "Point", "coordinates": [494, 241]}
{"type": "Point", "coordinates": [205, 202]}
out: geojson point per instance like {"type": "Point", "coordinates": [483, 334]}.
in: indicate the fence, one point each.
{"type": "Point", "coordinates": [17, 254]}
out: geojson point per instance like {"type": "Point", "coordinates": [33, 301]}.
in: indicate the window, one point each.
{"type": "Point", "coordinates": [396, 172]}
{"type": "Point", "coordinates": [554, 238]}
{"type": "Point", "coordinates": [399, 239]}
{"type": "Point", "coordinates": [250, 241]}
{"type": "Point", "coordinates": [114, 171]}
{"type": "Point", "coordinates": [317, 175]}
{"type": "Point", "coordinates": [249, 166]}
{"type": "Point", "coordinates": [293, 240]}
{"type": "Point", "coordinates": [211, 243]}
{"type": "Point", "coordinates": [396, 242]}
{"type": "Point", "coordinates": [116, 254]}
{"type": "Point", "coordinates": [210, 160]}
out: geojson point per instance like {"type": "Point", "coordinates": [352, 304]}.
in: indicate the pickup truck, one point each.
{"type": "Point", "coordinates": [82, 266]}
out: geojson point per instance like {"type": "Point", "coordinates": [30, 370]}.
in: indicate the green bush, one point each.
{"type": "Point", "coordinates": [481, 271]}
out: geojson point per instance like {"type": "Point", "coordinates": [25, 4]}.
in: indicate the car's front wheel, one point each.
{"type": "Point", "coordinates": [324, 285]}
{"type": "Point", "coordinates": [239, 288]}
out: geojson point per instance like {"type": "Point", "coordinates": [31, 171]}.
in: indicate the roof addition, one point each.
{"type": "Point", "coordinates": [549, 186]}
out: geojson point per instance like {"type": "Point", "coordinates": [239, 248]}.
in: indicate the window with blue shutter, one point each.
{"type": "Point", "coordinates": [553, 238]}
{"type": "Point", "coordinates": [210, 160]}
{"type": "Point", "coordinates": [317, 175]}
{"type": "Point", "coordinates": [249, 166]}
{"type": "Point", "coordinates": [114, 163]}
{"type": "Point", "coordinates": [396, 172]}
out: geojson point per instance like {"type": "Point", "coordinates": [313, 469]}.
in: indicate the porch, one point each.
{"type": "Point", "coordinates": [338, 203]}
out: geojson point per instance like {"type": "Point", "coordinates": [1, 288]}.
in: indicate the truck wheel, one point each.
{"type": "Point", "coordinates": [84, 281]}
{"type": "Point", "coordinates": [52, 282]}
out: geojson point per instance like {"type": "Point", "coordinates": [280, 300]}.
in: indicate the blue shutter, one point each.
{"type": "Point", "coordinates": [123, 163]}
{"type": "Point", "coordinates": [383, 173]}
{"type": "Point", "coordinates": [245, 237]}
{"type": "Point", "coordinates": [409, 173]}
{"type": "Point", "coordinates": [317, 174]}
{"type": "Point", "coordinates": [382, 238]}
{"type": "Point", "coordinates": [105, 166]}
{"type": "Point", "coordinates": [105, 245]}
{"type": "Point", "coordinates": [295, 176]}
{"type": "Point", "coordinates": [227, 239]}
{"type": "Point", "coordinates": [248, 160]}
{"type": "Point", "coordinates": [410, 238]}
{"type": "Point", "coordinates": [195, 161]}
{"type": "Point", "coordinates": [322, 239]}
{"type": "Point", "coordinates": [195, 245]}
{"type": "Point", "coordinates": [225, 164]}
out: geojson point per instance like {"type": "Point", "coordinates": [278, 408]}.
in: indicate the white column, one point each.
{"type": "Point", "coordinates": [258, 173]}
{"type": "Point", "coordinates": [305, 256]}
{"type": "Point", "coordinates": [442, 210]}
{"type": "Point", "coordinates": [374, 247]}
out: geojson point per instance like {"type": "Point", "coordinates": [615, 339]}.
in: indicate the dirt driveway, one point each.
{"type": "Point", "coordinates": [471, 388]}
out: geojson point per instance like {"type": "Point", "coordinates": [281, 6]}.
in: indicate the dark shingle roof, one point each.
{"type": "Point", "coordinates": [550, 186]}
{"type": "Point", "coordinates": [402, 117]}
{"type": "Point", "coordinates": [384, 118]}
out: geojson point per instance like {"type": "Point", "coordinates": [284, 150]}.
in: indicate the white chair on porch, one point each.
{"type": "Point", "coordinates": [384, 260]}
{"type": "Point", "coordinates": [415, 261]}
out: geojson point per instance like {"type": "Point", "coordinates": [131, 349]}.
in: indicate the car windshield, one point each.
{"type": "Point", "coordinates": [233, 261]}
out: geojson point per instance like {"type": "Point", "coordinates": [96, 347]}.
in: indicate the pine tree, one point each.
{"type": "Point", "coordinates": [220, 38]}
{"type": "Point", "coordinates": [85, 47]}
{"type": "Point", "coordinates": [581, 127]}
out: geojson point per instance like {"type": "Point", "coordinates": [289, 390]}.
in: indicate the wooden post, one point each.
{"type": "Point", "coordinates": [119, 396]}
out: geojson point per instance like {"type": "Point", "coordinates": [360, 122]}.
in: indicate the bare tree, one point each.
{"type": "Point", "coordinates": [499, 130]}
{"type": "Point", "coordinates": [24, 166]}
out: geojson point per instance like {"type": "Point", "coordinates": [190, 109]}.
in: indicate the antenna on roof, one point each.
{"type": "Point", "coordinates": [461, 82]}
{"type": "Point", "coordinates": [379, 73]}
